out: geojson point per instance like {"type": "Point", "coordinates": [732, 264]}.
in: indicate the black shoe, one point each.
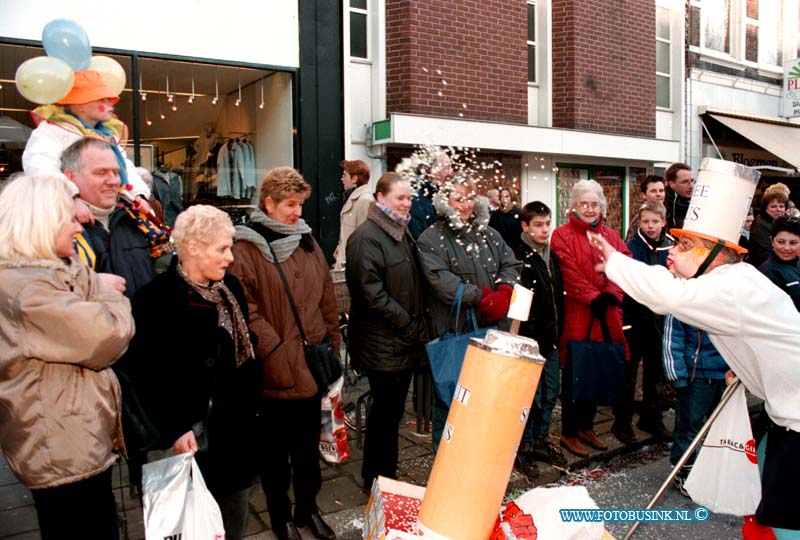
{"type": "Point", "coordinates": [624, 434]}
{"type": "Point", "coordinates": [655, 428]}
{"type": "Point", "coordinates": [314, 522]}
{"type": "Point", "coordinates": [546, 452]}
{"type": "Point", "coordinates": [526, 464]}
{"type": "Point", "coordinates": [286, 531]}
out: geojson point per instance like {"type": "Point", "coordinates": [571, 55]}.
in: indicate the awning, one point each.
{"type": "Point", "coordinates": [779, 138]}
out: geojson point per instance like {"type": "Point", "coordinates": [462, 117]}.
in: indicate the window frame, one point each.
{"type": "Point", "coordinates": [668, 41]}
{"type": "Point", "coordinates": [738, 21]}
{"type": "Point", "coordinates": [365, 13]}
{"type": "Point", "coordinates": [534, 43]}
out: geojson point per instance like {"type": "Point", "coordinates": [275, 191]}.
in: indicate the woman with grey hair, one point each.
{"type": "Point", "coordinates": [588, 295]}
{"type": "Point", "coordinates": [193, 366]}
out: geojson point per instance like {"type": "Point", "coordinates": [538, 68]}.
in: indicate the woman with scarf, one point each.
{"type": "Point", "coordinates": [588, 295]}
{"type": "Point", "coordinates": [290, 408]}
{"type": "Point", "coordinates": [192, 364]}
{"type": "Point", "coordinates": [462, 248]}
{"type": "Point", "coordinates": [773, 206]}
{"type": "Point", "coordinates": [386, 318]}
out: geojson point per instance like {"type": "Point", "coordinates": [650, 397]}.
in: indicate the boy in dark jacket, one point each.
{"type": "Point", "coordinates": [541, 272]}
{"type": "Point", "coordinates": [697, 371]}
{"type": "Point", "coordinates": [649, 245]}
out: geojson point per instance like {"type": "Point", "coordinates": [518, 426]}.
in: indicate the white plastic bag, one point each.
{"type": "Point", "coordinates": [333, 443]}
{"type": "Point", "coordinates": [177, 503]}
{"type": "Point", "coordinates": [725, 475]}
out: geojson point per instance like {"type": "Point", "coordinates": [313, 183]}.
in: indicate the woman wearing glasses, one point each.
{"type": "Point", "coordinates": [588, 295]}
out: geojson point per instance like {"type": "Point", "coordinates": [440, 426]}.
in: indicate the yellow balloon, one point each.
{"type": "Point", "coordinates": [111, 72]}
{"type": "Point", "coordinates": [44, 79]}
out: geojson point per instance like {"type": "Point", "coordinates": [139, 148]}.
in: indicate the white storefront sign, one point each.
{"type": "Point", "coordinates": [791, 88]}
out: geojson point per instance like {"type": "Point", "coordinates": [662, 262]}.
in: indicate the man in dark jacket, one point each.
{"type": "Point", "coordinates": [119, 246]}
{"type": "Point", "coordinates": [651, 246]}
{"type": "Point", "coordinates": [680, 182]}
{"type": "Point", "coordinates": [541, 272]}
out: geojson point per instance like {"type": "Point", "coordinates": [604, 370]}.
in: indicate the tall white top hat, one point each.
{"type": "Point", "coordinates": [720, 200]}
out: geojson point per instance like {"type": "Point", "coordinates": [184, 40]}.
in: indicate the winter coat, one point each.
{"type": "Point", "coordinates": [760, 246]}
{"type": "Point", "coordinates": [452, 252]}
{"type": "Point", "coordinates": [354, 213]}
{"type": "Point", "coordinates": [122, 249]}
{"type": "Point", "coordinates": [42, 155]}
{"type": "Point", "coordinates": [423, 214]}
{"type": "Point", "coordinates": [684, 360]}
{"type": "Point", "coordinates": [60, 332]}
{"type": "Point", "coordinates": [509, 225]}
{"type": "Point", "coordinates": [582, 283]}
{"type": "Point", "coordinates": [644, 323]}
{"type": "Point", "coordinates": [286, 374]}
{"type": "Point", "coordinates": [785, 275]}
{"type": "Point", "coordinates": [386, 324]}
{"type": "Point", "coordinates": [677, 206]}
{"type": "Point", "coordinates": [751, 322]}
{"type": "Point", "coordinates": [546, 318]}
{"type": "Point", "coordinates": [191, 377]}
{"type": "Point", "coordinates": [168, 189]}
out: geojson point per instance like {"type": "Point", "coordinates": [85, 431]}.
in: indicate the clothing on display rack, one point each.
{"type": "Point", "coordinates": [168, 189]}
{"type": "Point", "coordinates": [236, 169]}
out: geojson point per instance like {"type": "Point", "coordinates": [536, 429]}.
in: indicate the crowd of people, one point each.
{"type": "Point", "coordinates": [223, 316]}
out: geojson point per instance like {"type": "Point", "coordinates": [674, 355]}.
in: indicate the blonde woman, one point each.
{"type": "Point", "coordinates": [61, 329]}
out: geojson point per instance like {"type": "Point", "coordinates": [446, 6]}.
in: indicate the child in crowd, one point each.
{"type": "Point", "coordinates": [649, 245]}
{"type": "Point", "coordinates": [697, 371]}
{"type": "Point", "coordinates": [541, 273]}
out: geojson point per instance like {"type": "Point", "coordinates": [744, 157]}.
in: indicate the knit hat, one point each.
{"type": "Point", "coordinates": [720, 201]}
{"type": "Point", "coordinates": [88, 86]}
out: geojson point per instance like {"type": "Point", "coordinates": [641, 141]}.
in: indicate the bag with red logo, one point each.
{"type": "Point", "coordinates": [333, 443]}
{"type": "Point", "coordinates": [725, 476]}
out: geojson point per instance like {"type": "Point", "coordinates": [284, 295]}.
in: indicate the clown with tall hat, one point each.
{"type": "Point", "coordinates": [76, 100]}
{"type": "Point", "coordinates": [752, 322]}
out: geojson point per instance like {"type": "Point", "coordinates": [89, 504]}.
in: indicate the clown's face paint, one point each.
{"type": "Point", "coordinates": [686, 257]}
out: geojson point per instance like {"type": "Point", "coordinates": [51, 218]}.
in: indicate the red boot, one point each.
{"type": "Point", "coordinates": [753, 530]}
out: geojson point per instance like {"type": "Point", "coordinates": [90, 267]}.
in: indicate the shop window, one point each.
{"type": "Point", "coordinates": [611, 179]}
{"type": "Point", "coordinates": [532, 42]}
{"type": "Point", "coordinates": [358, 28]}
{"type": "Point", "coordinates": [663, 57]}
{"type": "Point", "coordinates": [187, 115]}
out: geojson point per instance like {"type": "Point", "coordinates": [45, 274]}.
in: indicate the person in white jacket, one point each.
{"type": "Point", "coordinates": [87, 111]}
{"type": "Point", "coordinates": [752, 322]}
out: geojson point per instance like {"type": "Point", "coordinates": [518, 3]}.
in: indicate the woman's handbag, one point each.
{"type": "Point", "coordinates": [322, 358]}
{"type": "Point", "coordinates": [446, 353]}
{"type": "Point", "coordinates": [594, 371]}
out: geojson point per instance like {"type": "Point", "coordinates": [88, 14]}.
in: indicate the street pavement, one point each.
{"type": "Point", "coordinates": [342, 499]}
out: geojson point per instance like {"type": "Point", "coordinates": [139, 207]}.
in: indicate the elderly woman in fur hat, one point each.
{"type": "Point", "coordinates": [458, 249]}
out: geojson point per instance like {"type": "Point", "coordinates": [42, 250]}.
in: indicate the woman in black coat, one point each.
{"type": "Point", "coordinates": [191, 362]}
{"type": "Point", "coordinates": [387, 328]}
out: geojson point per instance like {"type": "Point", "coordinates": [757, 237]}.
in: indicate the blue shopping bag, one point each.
{"type": "Point", "coordinates": [446, 353]}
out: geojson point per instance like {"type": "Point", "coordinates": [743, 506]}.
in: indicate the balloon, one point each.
{"type": "Point", "coordinates": [67, 41]}
{"type": "Point", "coordinates": [111, 72]}
{"type": "Point", "coordinates": [44, 79]}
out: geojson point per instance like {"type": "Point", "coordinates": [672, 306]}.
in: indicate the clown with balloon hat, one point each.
{"type": "Point", "coordinates": [752, 323]}
{"type": "Point", "coordinates": [76, 93]}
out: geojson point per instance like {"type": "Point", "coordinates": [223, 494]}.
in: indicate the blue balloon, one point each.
{"type": "Point", "coordinates": [67, 41]}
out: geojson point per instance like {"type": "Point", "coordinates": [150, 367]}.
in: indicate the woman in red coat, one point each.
{"type": "Point", "coordinates": [587, 294]}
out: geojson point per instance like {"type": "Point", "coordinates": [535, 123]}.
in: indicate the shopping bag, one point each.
{"type": "Point", "coordinates": [594, 371]}
{"type": "Point", "coordinates": [725, 477]}
{"type": "Point", "coordinates": [446, 353]}
{"type": "Point", "coordinates": [177, 503]}
{"type": "Point", "coordinates": [333, 443]}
